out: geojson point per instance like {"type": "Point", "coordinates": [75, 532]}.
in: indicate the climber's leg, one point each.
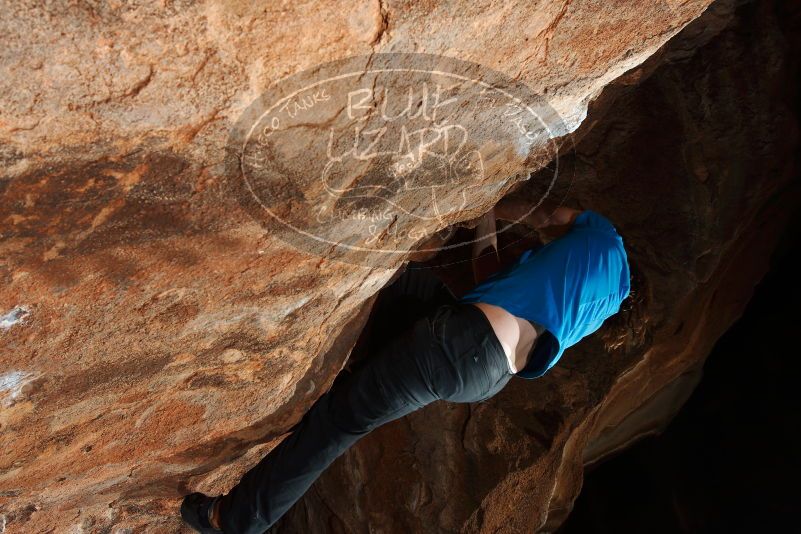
{"type": "Point", "coordinates": [419, 284]}
{"type": "Point", "coordinates": [414, 293]}
{"type": "Point", "coordinates": [391, 384]}
{"type": "Point", "coordinates": [451, 354]}
{"type": "Point", "coordinates": [476, 367]}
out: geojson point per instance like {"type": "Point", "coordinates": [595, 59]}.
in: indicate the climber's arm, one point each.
{"type": "Point", "coordinates": [485, 234]}
{"type": "Point", "coordinates": [485, 248]}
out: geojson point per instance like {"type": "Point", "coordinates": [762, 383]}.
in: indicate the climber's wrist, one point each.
{"type": "Point", "coordinates": [485, 234]}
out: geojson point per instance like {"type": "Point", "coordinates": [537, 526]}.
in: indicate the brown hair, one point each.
{"type": "Point", "coordinates": [628, 329]}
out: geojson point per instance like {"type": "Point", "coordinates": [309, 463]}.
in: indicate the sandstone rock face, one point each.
{"type": "Point", "coordinates": [697, 163]}
{"type": "Point", "coordinates": [155, 339]}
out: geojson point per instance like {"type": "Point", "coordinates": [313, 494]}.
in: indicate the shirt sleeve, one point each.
{"type": "Point", "coordinates": [589, 219]}
{"type": "Point", "coordinates": [592, 219]}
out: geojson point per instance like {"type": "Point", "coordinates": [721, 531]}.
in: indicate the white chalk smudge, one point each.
{"type": "Point", "coordinates": [16, 316]}
{"type": "Point", "coordinates": [291, 307]}
{"type": "Point", "coordinates": [523, 146]}
{"type": "Point", "coordinates": [265, 317]}
{"type": "Point", "coordinates": [11, 385]}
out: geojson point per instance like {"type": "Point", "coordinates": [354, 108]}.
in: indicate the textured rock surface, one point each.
{"type": "Point", "coordinates": [154, 339]}
{"type": "Point", "coordinates": [698, 165]}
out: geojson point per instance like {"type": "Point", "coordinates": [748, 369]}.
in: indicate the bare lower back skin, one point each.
{"type": "Point", "coordinates": [516, 335]}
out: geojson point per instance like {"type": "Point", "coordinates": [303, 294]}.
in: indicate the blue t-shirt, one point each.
{"type": "Point", "coordinates": [569, 286]}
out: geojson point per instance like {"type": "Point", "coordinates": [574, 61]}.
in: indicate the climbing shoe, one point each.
{"type": "Point", "coordinates": [196, 512]}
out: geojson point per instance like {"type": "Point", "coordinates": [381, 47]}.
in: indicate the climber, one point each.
{"type": "Point", "coordinates": [516, 322]}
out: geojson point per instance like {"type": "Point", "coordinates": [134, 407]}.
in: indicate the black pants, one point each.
{"type": "Point", "coordinates": [450, 353]}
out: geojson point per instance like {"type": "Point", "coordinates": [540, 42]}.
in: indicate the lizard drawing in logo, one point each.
{"type": "Point", "coordinates": [436, 161]}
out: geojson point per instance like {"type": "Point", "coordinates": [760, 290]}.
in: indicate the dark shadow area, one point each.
{"type": "Point", "coordinates": [730, 461]}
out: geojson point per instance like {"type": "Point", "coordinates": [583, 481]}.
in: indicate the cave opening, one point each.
{"type": "Point", "coordinates": [729, 460]}
{"type": "Point", "coordinates": [708, 470]}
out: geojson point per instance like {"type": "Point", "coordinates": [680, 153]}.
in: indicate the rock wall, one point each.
{"type": "Point", "coordinates": [695, 157]}
{"type": "Point", "coordinates": [155, 339]}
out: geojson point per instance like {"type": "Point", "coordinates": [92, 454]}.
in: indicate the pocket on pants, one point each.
{"type": "Point", "coordinates": [462, 377]}
{"type": "Point", "coordinates": [497, 387]}
{"type": "Point", "coordinates": [495, 366]}
{"type": "Point", "coordinates": [437, 323]}
{"type": "Point", "coordinates": [467, 367]}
